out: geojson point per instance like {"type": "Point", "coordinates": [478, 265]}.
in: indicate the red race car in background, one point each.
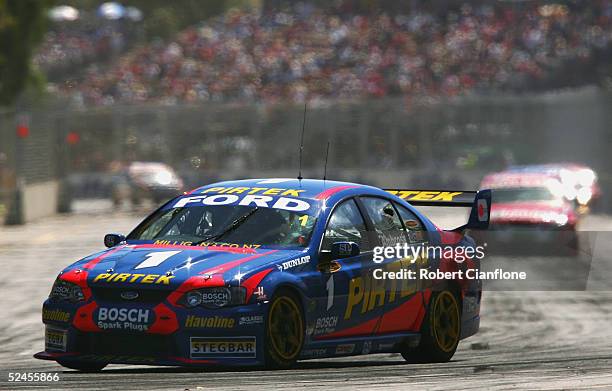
{"type": "Point", "coordinates": [579, 182]}
{"type": "Point", "coordinates": [529, 212]}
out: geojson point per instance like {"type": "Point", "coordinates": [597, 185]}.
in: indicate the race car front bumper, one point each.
{"type": "Point", "coordinates": [226, 336]}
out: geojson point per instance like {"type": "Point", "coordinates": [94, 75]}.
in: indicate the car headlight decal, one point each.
{"type": "Point", "coordinates": [212, 298]}
{"type": "Point", "coordinates": [64, 290]}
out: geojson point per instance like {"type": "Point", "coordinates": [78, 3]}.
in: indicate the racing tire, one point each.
{"type": "Point", "coordinates": [83, 366]}
{"type": "Point", "coordinates": [284, 330]}
{"type": "Point", "coordinates": [440, 330]}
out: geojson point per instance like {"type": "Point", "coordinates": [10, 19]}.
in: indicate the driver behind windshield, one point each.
{"type": "Point", "coordinates": [228, 224]}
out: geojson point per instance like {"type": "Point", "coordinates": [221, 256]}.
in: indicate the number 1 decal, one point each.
{"type": "Point", "coordinates": [155, 259]}
{"type": "Point", "coordinates": [303, 220]}
{"type": "Point", "coordinates": [330, 292]}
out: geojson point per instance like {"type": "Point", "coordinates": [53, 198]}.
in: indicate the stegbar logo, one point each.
{"type": "Point", "coordinates": [130, 319]}
{"type": "Point", "coordinates": [223, 347]}
{"type": "Point", "coordinates": [421, 251]}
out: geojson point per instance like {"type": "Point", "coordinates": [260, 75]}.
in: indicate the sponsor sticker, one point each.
{"type": "Point", "coordinates": [259, 294]}
{"type": "Point", "coordinates": [209, 322]}
{"type": "Point", "coordinates": [262, 201]}
{"type": "Point", "coordinates": [345, 348]}
{"type": "Point", "coordinates": [55, 315]}
{"type": "Point", "coordinates": [325, 325]}
{"type": "Point", "coordinates": [134, 278]}
{"type": "Point", "coordinates": [222, 347]}
{"type": "Point", "coordinates": [216, 297]}
{"type": "Point", "coordinates": [253, 319]}
{"type": "Point", "coordinates": [207, 244]}
{"type": "Point", "coordinates": [128, 319]}
{"type": "Point", "coordinates": [256, 190]}
{"type": "Point", "coordinates": [295, 262]}
{"type": "Point", "coordinates": [55, 339]}
{"type": "Point", "coordinates": [421, 195]}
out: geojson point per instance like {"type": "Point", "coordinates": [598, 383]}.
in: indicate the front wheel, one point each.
{"type": "Point", "coordinates": [83, 366]}
{"type": "Point", "coordinates": [284, 330]}
{"type": "Point", "coordinates": [440, 331]}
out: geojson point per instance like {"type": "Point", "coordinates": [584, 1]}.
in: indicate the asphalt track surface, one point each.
{"type": "Point", "coordinates": [528, 340]}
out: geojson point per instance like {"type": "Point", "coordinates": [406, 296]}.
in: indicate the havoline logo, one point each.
{"type": "Point", "coordinates": [209, 322]}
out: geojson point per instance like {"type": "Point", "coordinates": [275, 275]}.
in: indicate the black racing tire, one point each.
{"type": "Point", "coordinates": [284, 329]}
{"type": "Point", "coordinates": [83, 366]}
{"type": "Point", "coordinates": [440, 330]}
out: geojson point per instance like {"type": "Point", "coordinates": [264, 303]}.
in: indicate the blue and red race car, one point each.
{"type": "Point", "coordinates": [266, 272]}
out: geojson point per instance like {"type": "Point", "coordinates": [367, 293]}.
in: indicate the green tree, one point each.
{"type": "Point", "coordinates": [22, 25]}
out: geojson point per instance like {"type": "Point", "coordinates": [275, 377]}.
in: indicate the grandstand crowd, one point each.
{"type": "Point", "coordinates": [69, 45]}
{"type": "Point", "coordinates": [306, 52]}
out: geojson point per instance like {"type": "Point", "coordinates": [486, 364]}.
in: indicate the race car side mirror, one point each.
{"type": "Point", "coordinates": [341, 250]}
{"type": "Point", "coordinates": [111, 240]}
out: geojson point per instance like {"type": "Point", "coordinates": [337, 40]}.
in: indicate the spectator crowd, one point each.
{"type": "Point", "coordinates": [69, 45]}
{"type": "Point", "coordinates": [305, 52]}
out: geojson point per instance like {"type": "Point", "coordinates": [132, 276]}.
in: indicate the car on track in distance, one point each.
{"type": "Point", "coordinates": [579, 183]}
{"type": "Point", "coordinates": [268, 272]}
{"type": "Point", "coordinates": [146, 180]}
{"type": "Point", "coordinates": [530, 214]}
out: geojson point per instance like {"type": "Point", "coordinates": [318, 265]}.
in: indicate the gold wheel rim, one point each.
{"type": "Point", "coordinates": [446, 321]}
{"type": "Point", "coordinates": [285, 327]}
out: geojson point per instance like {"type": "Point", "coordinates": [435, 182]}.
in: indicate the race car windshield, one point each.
{"type": "Point", "coordinates": [523, 194]}
{"type": "Point", "coordinates": [226, 224]}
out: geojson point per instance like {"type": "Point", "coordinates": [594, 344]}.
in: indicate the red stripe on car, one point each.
{"type": "Point", "coordinates": [251, 283]}
{"type": "Point", "coordinates": [230, 265]}
{"type": "Point", "coordinates": [331, 191]}
{"type": "Point", "coordinates": [94, 262]}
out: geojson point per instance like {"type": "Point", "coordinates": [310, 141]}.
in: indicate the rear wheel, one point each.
{"type": "Point", "coordinates": [440, 331]}
{"type": "Point", "coordinates": [284, 330]}
{"type": "Point", "coordinates": [83, 366]}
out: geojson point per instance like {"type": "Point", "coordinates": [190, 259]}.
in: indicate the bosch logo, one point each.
{"type": "Point", "coordinates": [217, 297]}
{"type": "Point", "coordinates": [123, 314]}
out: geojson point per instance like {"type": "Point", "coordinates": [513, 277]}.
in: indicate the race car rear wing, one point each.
{"type": "Point", "coordinates": [479, 201]}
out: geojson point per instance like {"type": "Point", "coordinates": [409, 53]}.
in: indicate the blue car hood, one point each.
{"type": "Point", "coordinates": [167, 267]}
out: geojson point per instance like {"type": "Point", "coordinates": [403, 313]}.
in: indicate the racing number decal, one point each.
{"type": "Point", "coordinates": [303, 220]}
{"type": "Point", "coordinates": [155, 259]}
{"type": "Point", "coordinates": [330, 292]}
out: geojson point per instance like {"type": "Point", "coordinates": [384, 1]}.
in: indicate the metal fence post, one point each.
{"type": "Point", "coordinates": [15, 212]}
{"type": "Point", "coordinates": [62, 152]}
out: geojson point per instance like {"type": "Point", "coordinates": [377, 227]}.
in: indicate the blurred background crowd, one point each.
{"type": "Point", "coordinates": [308, 51]}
